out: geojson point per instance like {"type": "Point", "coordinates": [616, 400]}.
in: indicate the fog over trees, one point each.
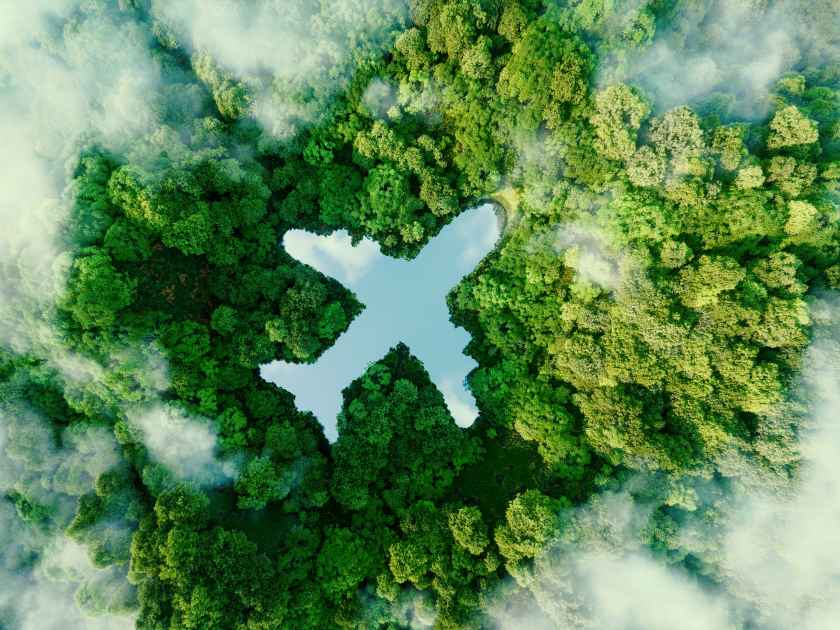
{"type": "Point", "coordinates": [652, 340]}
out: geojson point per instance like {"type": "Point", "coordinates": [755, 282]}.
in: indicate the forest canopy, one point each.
{"type": "Point", "coordinates": [656, 330]}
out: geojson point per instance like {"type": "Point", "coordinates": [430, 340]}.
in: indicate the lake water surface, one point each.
{"type": "Point", "coordinates": [405, 301]}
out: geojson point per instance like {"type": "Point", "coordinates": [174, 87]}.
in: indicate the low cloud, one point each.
{"type": "Point", "coordinates": [599, 575]}
{"type": "Point", "coordinates": [740, 48]}
{"type": "Point", "coordinates": [31, 601]}
{"type": "Point", "coordinates": [32, 464]}
{"type": "Point", "coordinates": [73, 75]}
{"type": "Point", "coordinates": [379, 98]}
{"type": "Point", "coordinates": [292, 57]}
{"type": "Point", "coordinates": [43, 573]}
{"type": "Point", "coordinates": [777, 551]}
{"type": "Point", "coordinates": [638, 592]}
{"type": "Point", "coordinates": [186, 446]}
{"type": "Point", "coordinates": [62, 89]}
{"type": "Point", "coordinates": [386, 100]}
{"type": "Point", "coordinates": [586, 250]}
{"type": "Point", "coordinates": [42, 597]}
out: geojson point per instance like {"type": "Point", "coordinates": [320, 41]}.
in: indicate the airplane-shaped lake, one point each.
{"type": "Point", "coordinates": [405, 301]}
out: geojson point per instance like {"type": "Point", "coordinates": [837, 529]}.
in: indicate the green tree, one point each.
{"type": "Point", "coordinates": [344, 562]}
{"type": "Point", "coordinates": [97, 291]}
{"type": "Point", "coordinates": [790, 127]}
{"type": "Point", "coordinates": [259, 484]}
{"type": "Point", "coordinates": [548, 71]}
{"type": "Point", "coordinates": [619, 112]}
{"type": "Point", "coordinates": [469, 530]}
{"type": "Point", "coordinates": [531, 521]}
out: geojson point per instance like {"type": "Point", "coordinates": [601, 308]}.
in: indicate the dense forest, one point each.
{"type": "Point", "coordinates": [656, 330]}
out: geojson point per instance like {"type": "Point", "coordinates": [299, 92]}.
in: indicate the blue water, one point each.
{"type": "Point", "coordinates": [404, 301]}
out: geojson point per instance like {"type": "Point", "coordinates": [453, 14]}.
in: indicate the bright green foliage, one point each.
{"type": "Point", "coordinates": [231, 97]}
{"type": "Point", "coordinates": [548, 71]}
{"type": "Point", "coordinates": [802, 218]}
{"type": "Point", "coordinates": [643, 353]}
{"type": "Point", "coordinates": [92, 213]}
{"type": "Point", "coordinates": [639, 328]}
{"type": "Point", "coordinates": [387, 205]}
{"type": "Point", "coordinates": [197, 205]}
{"type": "Point", "coordinates": [789, 128]}
{"type": "Point", "coordinates": [677, 132]}
{"type": "Point", "coordinates": [469, 529]}
{"type": "Point", "coordinates": [750, 177]}
{"type": "Point", "coordinates": [728, 143]}
{"type": "Point", "coordinates": [792, 176]}
{"type": "Point", "coordinates": [701, 285]}
{"type": "Point", "coordinates": [397, 441]}
{"type": "Point", "coordinates": [214, 576]}
{"type": "Point", "coordinates": [619, 112]}
{"type": "Point", "coordinates": [531, 522]}
{"type": "Point", "coordinates": [98, 291]}
{"type": "Point", "coordinates": [427, 557]}
{"type": "Point", "coordinates": [258, 484]}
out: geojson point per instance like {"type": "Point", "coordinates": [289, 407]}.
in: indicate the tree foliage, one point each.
{"type": "Point", "coordinates": [644, 315]}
